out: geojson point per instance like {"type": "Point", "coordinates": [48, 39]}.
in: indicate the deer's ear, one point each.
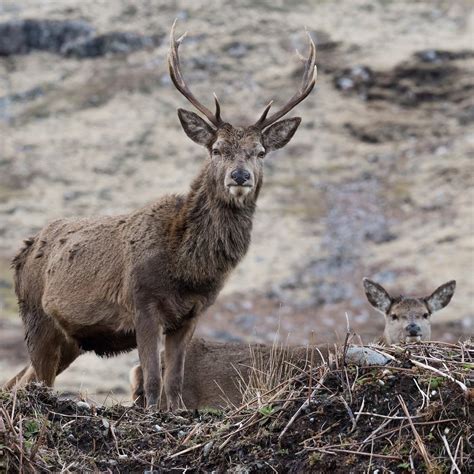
{"type": "Point", "coordinates": [441, 296]}
{"type": "Point", "coordinates": [377, 295]}
{"type": "Point", "coordinates": [280, 133]}
{"type": "Point", "coordinates": [195, 127]}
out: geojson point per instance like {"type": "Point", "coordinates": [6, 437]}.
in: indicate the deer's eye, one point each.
{"type": "Point", "coordinates": [216, 152]}
{"type": "Point", "coordinates": [394, 317]}
{"type": "Point", "coordinates": [261, 154]}
{"type": "Point", "coordinates": [426, 315]}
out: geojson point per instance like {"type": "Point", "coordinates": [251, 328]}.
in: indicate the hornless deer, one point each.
{"type": "Point", "coordinates": [407, 319]}
{"type": "Point", "coordinates": [229, 365]}
{"type": "Point", "coordinates": [110, 284]}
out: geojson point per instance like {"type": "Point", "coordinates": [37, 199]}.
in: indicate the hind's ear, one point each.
{"type": "Point", "coordinates": [195, 127]}
{"type": "Point", "coordinates": [280, 133]}
{"type": "Point", "coordinates": [441, 296]}
{"type": "Point", "coordinates": [377, 295]}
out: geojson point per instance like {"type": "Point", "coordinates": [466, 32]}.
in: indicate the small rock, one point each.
{"type": "Point", "coordinates": [83, 405]}
{"type": "Point", "coordinates": [363, 356]}
{"type": "Point", "coordinates": [207, 448]}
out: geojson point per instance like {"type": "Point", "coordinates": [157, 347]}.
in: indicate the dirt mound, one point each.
{"type": "Point", "coordinates": [412, 415]}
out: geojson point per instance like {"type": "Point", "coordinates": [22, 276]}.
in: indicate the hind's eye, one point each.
{"type": "Point", "coordinates": [394, 317]}
{"type": "Point", "coordinates": [426, 315]}
{"type": "Point", "coordinates": [216, 152]}
{"type": "Point", "coordinates": [261, 154]}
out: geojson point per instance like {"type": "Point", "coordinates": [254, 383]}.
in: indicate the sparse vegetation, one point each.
{"type": "Point", "coordinates": [321, 419]}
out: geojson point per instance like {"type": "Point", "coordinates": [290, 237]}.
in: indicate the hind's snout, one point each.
{"type": "Point", "coordinates": [413, 330]}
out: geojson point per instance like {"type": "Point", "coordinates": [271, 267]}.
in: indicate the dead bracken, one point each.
{"type": "Point", "coordinates": [414, 415]}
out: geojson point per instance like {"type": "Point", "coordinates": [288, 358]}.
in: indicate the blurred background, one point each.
{"type": "Point", "coordinates": [377, 182]}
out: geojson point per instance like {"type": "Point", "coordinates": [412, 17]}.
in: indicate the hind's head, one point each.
{"type": "Point", "coordinates": [407, 319]}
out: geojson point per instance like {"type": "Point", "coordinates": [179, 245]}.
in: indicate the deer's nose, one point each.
{"type": "Point", "coordinates": [413, 329]}
{"type": "Point", "coordinates": [240, 176]}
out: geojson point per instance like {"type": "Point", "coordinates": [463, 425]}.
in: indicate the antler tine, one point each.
{"type": "Point", "coordinates": [180, 84]}
{"type": "Point", "coordinates": [264, 114]}
{"type": "Point", "coordinates": [307, 83]}
{"type": "Point", "coordinates": [217, 113]}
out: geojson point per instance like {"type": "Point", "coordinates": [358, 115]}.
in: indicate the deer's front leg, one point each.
{"type": "Point", "coordinates": [175, 354]}
{"type": "Point", "coordinates": [149, 339]}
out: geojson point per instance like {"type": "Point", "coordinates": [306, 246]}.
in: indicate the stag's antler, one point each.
{"type": "Point", "coordinates": [178, 81]}
{"type": "Point", "coordinates": [307, 84]}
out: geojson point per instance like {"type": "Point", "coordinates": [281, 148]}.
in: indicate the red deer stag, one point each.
{"type": "Point", "coordinates": [110, 284]}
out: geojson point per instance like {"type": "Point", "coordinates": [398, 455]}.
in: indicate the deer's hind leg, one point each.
{"type": "Point", "coordinates": [16, 379]}
{"type": "Point", "coordinates": [51, 351]}
{"type": "Point", "coordinates": [69, 351]}
{"type": "Point", "coordinates": [136, 386]}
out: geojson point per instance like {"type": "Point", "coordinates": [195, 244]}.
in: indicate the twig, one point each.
{"type": "Point", "coordinates": [372, 435]}
{"type": "Point", "coordinates": [368, 413]}
{"type": "Point", "coordinates": [351, 415]}
{"type": "Point", "coordinates": [454, 466]}
{"type": "Point", "coordinates": [360, 410]}
{"type": "Point", "coordinates": [229, 436]}
{"type": "Point", "coordinates": [419, 441]}
{"type": "Point", "coordinates": [303, 406]}
{"type": "Point", "coordinates": [191, 433]}
{"type": "Point", "coordinates": [436, 371]}
{"type": "Point", "coordinates": [20, 434]}
{"type": "Point", "coordinates": [371, 456]}
{"type": "Point", "coordinates": [187, 450]}
{"type": "Point", "coordinates": [117, 423]}
{"type": "Point", "coordinates": [362, 453]}
{"type": "Point", "coordinates": [112, 431]}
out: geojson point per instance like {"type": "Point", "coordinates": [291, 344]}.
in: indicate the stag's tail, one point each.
{"type": "Point", "coordinates": [20, 258]}
{"type": "Point", "coordinates": [18, 264]}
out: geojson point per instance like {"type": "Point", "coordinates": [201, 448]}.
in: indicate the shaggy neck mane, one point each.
{"type": "Point", "coordinates": [210, 235]}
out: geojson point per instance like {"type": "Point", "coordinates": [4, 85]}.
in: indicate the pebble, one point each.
{"type": "Point", "coordinates": [207, 449]}
{"type": "Point", "coordinates": [84, 405]}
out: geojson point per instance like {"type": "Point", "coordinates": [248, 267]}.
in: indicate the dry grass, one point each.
{"type": "Point", "coordinates": [414, 415]}
{"type": "Point", "coordinates": [268, 374]}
